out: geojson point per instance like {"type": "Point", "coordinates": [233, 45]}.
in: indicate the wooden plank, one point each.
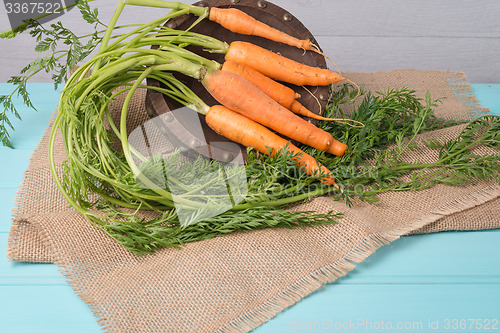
{"type": "Point", "coordinates": [419, 259]}
{"type": "Point", "coordinates": [425, 34]}
{"type": "Point", "coordinates": [13, 171]}
{"type": "Point", "coordinates": [397, 18]}
{"type": "Point", "coordinates": [44, 309]}
{"type": "Point", "coordinates": [362, 305]}
{"type": "Point", "coordinates": [367, 54]}
{"type": "Point", "coordinates": [408, 308]}
{"type": "Point", "coordinates": [25, 137]}
{"type": "Point", "coordinates": [444, 18]}
{"type": "Point", "coordinates": [488, 94]}
{"type": "Point", "coordinates": [7, 199]}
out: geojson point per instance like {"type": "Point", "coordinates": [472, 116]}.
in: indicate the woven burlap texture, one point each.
{"type": "Point", "coordinates": [238, 281]}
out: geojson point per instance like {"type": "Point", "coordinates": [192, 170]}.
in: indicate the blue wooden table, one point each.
{"type": "Point", "coordinates": [446, 282]}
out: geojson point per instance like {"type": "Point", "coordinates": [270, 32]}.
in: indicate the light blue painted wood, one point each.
{"type": "Point", "coordinates": [371, 308]}
{"type": "Point", "coordinates": [44, 309]}
{"type": "Point", "coordinates": [420, 258]}
{"type": "Point", "coordinates": [416, 280]}
{"type": "Point", "coordinates": [7, 199]}
{"type": "Point", "coordinates": [14, 164]}
{"type": "Point", "coordinates": [489, 96]}
{"type": "Point", "coordinates": [448, 275]}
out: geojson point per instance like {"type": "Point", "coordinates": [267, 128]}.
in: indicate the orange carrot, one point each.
{"type": "Point", "coordinates": [278, 67]}
{"type": "Point", "coordinates": [277, 91]}
{"type": "Point", "coordinates": [238, 94]}
{"type": "Point", "coordinates": [239, 22]}
{"type": "Point", "coordinates": [280, 93]}
{"type": "Point", "coordinates": [298, 108]}
{"type": "Point", "coordinates": [245, 131]}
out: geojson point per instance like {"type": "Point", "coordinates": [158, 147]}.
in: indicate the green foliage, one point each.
{"type": "Point", "coordinates": [59, 61]}
{"type": "Point", "coordinates": [392, 120]}
{"type": "Point", "coordinates": [143, 236]}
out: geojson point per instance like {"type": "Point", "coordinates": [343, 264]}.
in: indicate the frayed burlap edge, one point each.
{"type": "Point", "coordinates": [465, 94]}
{"type": "Point", "coordinates": [65, 271]}
{"type": "Point", "coordinates": [366, 247]}
{"type": "Point", "coordinates": [13, 245]}
{"type": "Point", "coordinates": [311, 282]}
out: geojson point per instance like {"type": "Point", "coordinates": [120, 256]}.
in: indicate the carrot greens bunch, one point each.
{"type": "Point", "coordinates": [116, 193]}
{"type": "Point", "coordinates": [392, 120]}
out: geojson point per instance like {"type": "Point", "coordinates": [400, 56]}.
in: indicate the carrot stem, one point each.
{"type": "Point", "coordinates": [288, 200]}
{"type": "Point", "coordinates": [196, 10]}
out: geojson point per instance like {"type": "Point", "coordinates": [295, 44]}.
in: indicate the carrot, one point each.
{"type": "Point", "coordinates": [277, 91]}
{"type": "Point", "coordinates": [278, 67]}
{"type": "Point", "coordinates": [247, 132]}
{"type": "Point", "coordinates": [298, 108]}
{"type": "Point", "coordinates": [239, 22]}
{"type": "Point", "coordinates": [238, 94]}
{"type": "Point", "coordinates": [280, 93]}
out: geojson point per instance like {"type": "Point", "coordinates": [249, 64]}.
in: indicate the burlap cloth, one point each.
{"type": "Point", "coordinates": [238, 281]}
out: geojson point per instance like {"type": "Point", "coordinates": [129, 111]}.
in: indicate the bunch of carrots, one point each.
{"type": "Point", "coordinates": [252, 100]}
{"type": "Point", "coordinates": [254, 108]}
